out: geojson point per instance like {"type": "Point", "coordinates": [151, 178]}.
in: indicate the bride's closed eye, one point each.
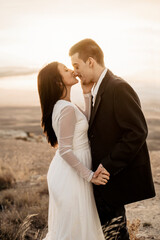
{"type": "Point", "coordinates": [66, 69]}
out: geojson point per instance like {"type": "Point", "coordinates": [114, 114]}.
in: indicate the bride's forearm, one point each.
{"type": "Point", "coordinates": [87, 108]}
{"type": "Point", "coordinates": [87, 100]}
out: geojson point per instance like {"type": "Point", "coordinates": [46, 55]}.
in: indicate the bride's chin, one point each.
{"type": "Point", "coordinates": [76, 82]}
{"type": "Point", "coordinates": [73, 84]}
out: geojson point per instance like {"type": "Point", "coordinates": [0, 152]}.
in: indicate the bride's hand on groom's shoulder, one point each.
{"type": "Point", "coordinates": [101, 176]}
{"type": "Point", "coordinates": [86, 87]}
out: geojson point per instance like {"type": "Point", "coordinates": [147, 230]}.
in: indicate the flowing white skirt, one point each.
{"type": "Point", "coordinates": [72, 211]}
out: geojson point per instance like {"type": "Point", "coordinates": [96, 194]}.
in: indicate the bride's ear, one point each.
{"type": "Point", "coordinates": [59, 83]}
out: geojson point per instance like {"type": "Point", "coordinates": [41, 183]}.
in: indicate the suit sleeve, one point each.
{"type": "Point", "coordinates": [131, 121]}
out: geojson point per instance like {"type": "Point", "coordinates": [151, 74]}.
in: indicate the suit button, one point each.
{"type": "Point", "coordinates": [92, 136]}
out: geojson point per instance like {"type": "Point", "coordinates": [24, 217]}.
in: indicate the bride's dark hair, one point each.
{"type": "Point", "coordinates": [50, 89]}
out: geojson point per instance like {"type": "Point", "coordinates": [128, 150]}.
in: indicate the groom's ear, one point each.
{"type": "Point", "coordinates": [90, 62]}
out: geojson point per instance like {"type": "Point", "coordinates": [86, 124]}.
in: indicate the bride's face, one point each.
{"type": "Point", "coordinates": [68, 76]}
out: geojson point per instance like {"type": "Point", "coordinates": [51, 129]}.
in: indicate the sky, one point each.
{"type": "Point", "coordinates": [35, 32]}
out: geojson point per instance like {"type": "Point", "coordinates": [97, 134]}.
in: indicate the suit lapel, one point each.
{"type": "Point", "coordinates": [98, 98]}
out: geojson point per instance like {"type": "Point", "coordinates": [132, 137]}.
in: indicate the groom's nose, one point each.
{"type": "Point", "coordinates": [75, 73]}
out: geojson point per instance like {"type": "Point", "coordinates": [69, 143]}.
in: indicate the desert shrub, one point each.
{"type": "Point", "coordinates": [23, 214]}
{"type": "Point", "coordinates": [9, 220]}
{"type": "Point", "coordinates": [27, 229]}
{"type": "Point", "coordinates": [6, 177]}
{"type": "Point", "coordinates": [44, 189]}
{"type": "Point", "coordinates": [20, 199]}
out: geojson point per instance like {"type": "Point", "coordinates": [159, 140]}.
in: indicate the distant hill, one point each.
{"type": "Point", "coordinates": [148, 76]}
{"type": "Point", "coordinates": [16, 71]}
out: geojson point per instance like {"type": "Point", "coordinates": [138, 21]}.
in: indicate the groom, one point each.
{"type": "Point", "coordinates": [117, 134]}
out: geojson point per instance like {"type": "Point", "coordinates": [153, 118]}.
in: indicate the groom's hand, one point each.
{"type": "Point", "coordinates": [102, 179]}
{"type": "Point", "coordinates": [101, 176]}
{"type": "Point", "coordinates": [101, 169]}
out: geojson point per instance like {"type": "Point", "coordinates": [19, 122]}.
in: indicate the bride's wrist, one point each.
{"type": "Point", "coordinates": [87, 94]}
{"type": "Point", "coordinates": [93, 176]}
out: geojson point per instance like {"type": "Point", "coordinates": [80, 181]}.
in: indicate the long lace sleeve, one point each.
{"type": "Point", "coordinates": [87, 100]}
{"type": "Point", "coordinates": [67, 123]}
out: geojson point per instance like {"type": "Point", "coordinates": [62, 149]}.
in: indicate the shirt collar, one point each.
{"type": "Point", "coordinates": [95, 87]}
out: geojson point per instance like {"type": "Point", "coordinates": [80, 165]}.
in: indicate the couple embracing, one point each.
{"type": "Point", "coordinates": [102, 161]}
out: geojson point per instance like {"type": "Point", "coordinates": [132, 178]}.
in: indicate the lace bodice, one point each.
{"type": "Point", "coordinates": [71, 126]}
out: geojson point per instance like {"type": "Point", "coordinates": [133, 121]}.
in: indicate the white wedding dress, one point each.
{"type": "Point", "coordinates": [72, 213]}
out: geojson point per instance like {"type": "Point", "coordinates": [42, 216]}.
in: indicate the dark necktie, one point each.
{"type": "Point", "coordinates": [92, 104]}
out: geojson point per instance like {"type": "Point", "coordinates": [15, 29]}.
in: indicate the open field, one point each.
{"type": "Point", "coordinates": [25, 157]}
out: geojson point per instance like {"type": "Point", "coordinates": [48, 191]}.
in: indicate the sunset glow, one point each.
{"type": "Point", "coordinates": [34, 33]}
{"type": "Point", "coordinates": [42, 31]}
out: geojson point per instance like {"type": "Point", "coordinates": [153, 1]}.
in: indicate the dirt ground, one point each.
{"type": "Point", "coordinates": [29, 158]}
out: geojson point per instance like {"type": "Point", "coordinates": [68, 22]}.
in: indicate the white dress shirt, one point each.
{"type": "Point", "coordinates": [95, 87]}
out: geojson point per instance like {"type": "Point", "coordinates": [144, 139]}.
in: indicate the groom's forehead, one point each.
{"type": "Point", "coordinates": [75, 59]}
{"type": "Point", "coordinates": [75, 56]}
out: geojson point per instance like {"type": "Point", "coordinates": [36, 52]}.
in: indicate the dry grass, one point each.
{"type": "Point", "coordinates": [28, 230]}
{"type": "Point", "coordinates": [111, 230]}
{"type": "Point", "coordinates": [24, 208]}
{"type": "Point", "coordinates": [23, 213]}
{"type": "Point", "coordinates": [133, 228]}
{"type": "Point", "coordinates": [7, 178]}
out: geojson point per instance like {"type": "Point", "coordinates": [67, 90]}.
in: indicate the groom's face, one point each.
{"type": "Point", "coordinates": [82, 69]}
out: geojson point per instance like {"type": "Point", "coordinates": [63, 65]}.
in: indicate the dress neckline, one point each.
{"type": "Point", "coordinates": [64, 100]}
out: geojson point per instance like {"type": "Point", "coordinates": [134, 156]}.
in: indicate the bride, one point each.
{"type": "Point", "coordinates": [72, 211]}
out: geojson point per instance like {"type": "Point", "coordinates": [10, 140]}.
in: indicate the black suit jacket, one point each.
{"type": "Point", "coordinates": [117, 134]}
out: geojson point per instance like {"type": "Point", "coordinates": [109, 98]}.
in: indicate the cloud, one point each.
{"type": "Point", "coordinates": [16, 71]}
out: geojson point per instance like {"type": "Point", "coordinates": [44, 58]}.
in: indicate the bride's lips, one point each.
{"type": "Point", "coordinates": [74, 76]}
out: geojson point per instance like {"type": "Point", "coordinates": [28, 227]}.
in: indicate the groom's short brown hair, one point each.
{"type": "Point", "coordinates": [88, 48]}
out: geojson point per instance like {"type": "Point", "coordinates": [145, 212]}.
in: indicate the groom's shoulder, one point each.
{"type": "Point", "coordinates": [115, 80]}
{"type": "Point", "coordinates": [120, 86]}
